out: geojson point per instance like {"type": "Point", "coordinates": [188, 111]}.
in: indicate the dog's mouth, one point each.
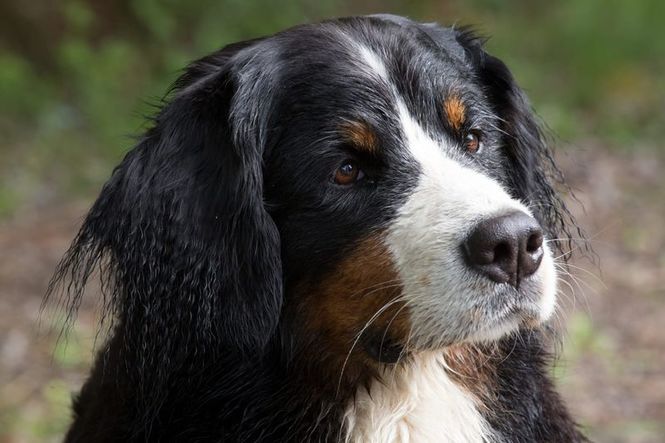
{"type": "Point", "coordinates": [502, 324]}
{"type": "Point", "coordinates": [383, 345]}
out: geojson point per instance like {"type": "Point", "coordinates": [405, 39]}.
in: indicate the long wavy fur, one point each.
{"type": "Point", "coordinates": [189, 258]}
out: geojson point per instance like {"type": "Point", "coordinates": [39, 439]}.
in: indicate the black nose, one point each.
{"type": "Point", "coordinates": [507, 248]}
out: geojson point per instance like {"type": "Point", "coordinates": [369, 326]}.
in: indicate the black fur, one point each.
{"type": "Point", "coordinates": [224, 206]}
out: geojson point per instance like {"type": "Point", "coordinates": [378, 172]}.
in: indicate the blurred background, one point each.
{"type": "Point", "coordinates": [77, 78]}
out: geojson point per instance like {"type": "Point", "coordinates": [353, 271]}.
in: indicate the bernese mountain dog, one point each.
{"type": "Point", "coordinates": [345, 231]}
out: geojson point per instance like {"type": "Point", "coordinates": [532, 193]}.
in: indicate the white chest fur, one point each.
{"type": "Point", "coordinates": [418, 403]}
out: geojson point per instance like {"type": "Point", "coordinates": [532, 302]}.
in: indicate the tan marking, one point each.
{"type": "Point", "coordinates": [473, 366]}
{"type": "Point", "coordinates": [361, 135]}
{"type": "Point", "coordinates": [333, 311]}
{"type": "Point", "coordinates": [455, 111]}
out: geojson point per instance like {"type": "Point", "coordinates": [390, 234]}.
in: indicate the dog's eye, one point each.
{"type": "Point", "coordinates": [348, 173]}
{"type": "Point", "coordinates": [472, 142]}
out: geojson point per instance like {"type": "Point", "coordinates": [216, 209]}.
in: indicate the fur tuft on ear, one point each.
{"type": "Point", "coordinates": [190, 259]}
{"type": "Point", "coordinates": [525, 147]}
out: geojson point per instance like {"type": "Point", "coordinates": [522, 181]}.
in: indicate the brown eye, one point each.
{"type": "Point", "coordinates": [348, 173]}
{"type": "Point", "coordinates": [472, 142]}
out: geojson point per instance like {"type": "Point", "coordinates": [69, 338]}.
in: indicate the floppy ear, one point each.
{"type": "Point", "coordinates": [189, 255]}
{"type": "Point", "coordinates": [529, 159]}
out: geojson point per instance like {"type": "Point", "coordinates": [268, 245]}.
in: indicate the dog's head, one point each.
{"type": "Point", "coordinates": [359, 188]}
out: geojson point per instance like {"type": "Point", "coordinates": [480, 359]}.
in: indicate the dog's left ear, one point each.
{"type": "Point", "coordinates": [529, 159]}
{"type": "Point", "coordinates": [190, 254]}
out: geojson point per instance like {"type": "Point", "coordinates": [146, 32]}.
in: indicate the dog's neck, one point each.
{"type": "Point", "coordinates": [416, 402]}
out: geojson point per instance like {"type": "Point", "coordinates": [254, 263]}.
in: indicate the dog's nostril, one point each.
{"type": "Point", "coordinates": [507, 248]}
{"type": "Point", "coordinates": [503, 251]}
{"type": "Point", "coordinates": [535, 242]}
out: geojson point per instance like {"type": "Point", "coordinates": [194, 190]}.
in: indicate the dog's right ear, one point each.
{"type": "Point", "coordinates": [189, 255]}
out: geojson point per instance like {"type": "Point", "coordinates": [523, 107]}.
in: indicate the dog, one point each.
{"type": "Point", "coordinates": [345, 232]}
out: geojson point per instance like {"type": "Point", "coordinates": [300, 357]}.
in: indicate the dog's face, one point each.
{"type": "Point", "coordinates": [345, 192]}
{"type": "Point", "coordinates": [388, 179]}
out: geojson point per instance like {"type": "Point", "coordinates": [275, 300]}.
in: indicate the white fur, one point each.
{"type": "Point", "coordinates": [373, 61]}
{"type": "Point", "coordinates": [548, 276]}
{"type": "Point", "coordinates": [417, 402]}
{"type": "Point", "coordinates": [368, 61]}
{"type": "Point", "coordinates": [449, 200]}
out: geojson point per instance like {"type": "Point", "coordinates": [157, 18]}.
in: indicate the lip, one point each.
{"type": "Point", "coordinates": [525, 302]}
{"type": "Point", "coordinates": [380, 346]}
{"type": "Point", "coordinates": [524, 315]}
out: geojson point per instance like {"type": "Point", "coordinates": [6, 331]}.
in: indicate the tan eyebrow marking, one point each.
{"type": "Point", "coordinates": [455, 111]}
{"type": "Point", "coordinates": [361, 135]}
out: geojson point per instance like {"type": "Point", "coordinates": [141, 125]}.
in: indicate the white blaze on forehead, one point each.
{"type": "Point", "coordinates": [462, 193]}
{"type": "Point", "coordinates": [373, 61]}
{"type": "Point", "coordinates": [368, 60]}
{"type": "Point", "coordinates": [364, 57]}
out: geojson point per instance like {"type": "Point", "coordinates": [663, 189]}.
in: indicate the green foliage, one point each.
{"type": "Point", "coordinates": [43, 418]}
{"type": "Point", "coordinates": [595, 66]}
{"type": "Point", "coordinates": [584, 339]}
{"type": "Point", "coordinates": [35, 406]}
{"type": "Point", "coordinates": [21, 91]}
{"type": "Point", "coordinates": [65, 127]}
{"type": "Point", "coordinates": [591, 68]}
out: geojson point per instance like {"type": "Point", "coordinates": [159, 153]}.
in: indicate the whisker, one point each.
{"type": "Point", "coordinates": [357, 338]}
{"type": "Point", "coordinates": [586, 271]}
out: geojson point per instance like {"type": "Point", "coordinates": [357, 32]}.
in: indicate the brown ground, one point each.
{"type": "Point", "coordinates": [612, 370]}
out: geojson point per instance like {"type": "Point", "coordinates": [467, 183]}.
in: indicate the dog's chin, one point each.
{"type": "Point", "coordinates": [531, 306]}
{"type": "Point", "coordinates": [525, 314]}
{"type": "Point", "coordinates": [384, 348]}
{"type": "Point", "coordinates": [528, 312]}
{"type": "Point", "coordinates": [495, 326]}
{"type": "Point", "coordinates": [503, 325]}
